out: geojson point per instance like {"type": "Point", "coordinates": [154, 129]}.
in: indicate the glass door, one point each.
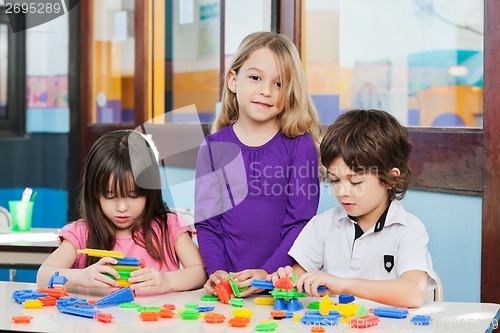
{"type": "Point", "coordinates": [116, 67]}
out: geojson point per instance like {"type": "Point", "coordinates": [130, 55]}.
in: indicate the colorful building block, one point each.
{"type": "Point", "coordinates": [364, 322]}
{"type": "Point", "coordinates": [22, 319]}
{"type": "Point", "coordinates": [421, 320]}
{"type": "Point", "coordinates": [389, 312]}
{"type": "Point", "coordinates": [120, 296]}
{"type": "Point", "coordinates": [101, 253]}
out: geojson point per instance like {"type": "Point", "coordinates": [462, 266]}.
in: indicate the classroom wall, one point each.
{"type": "Point", "coordinates": [453, 223]}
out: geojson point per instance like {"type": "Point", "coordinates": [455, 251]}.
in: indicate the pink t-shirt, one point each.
{"type": "Point", "coordinates": [76, 233]}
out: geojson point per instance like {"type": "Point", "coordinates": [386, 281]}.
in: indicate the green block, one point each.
{"type": "Point", "coordinates": [278, 293]}
{"type": "Point", "coordinates": [362, 311]}
{"type": "Point", "coordinates": [313, 306]}
{"type": "Point", "coordinates": [149, 309]}
{"type": "Point", "coordinates": [209, 298]}
{"type": "Point", "coordinates": [237, 302]}
{"type": "Point", "coordinates": [130, 305]}
{"type": "Point", "coordinates": [230, 276]}
{"type": "Point", "coordinates": [189, 314]}
{"type": "Point", "coordinates": [191, 305]}
{"type": "Point", "coordinates": [234, 288]}
{"type": "Point", "coordinates": [266, 327]}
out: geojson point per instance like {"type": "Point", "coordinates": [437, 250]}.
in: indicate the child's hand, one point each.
{"type": "Point", "coordinates": [149, 280]}
{"type": "Point", "coordinates": [280, 273]}
{"type": "Point", "coordinates": [214, 278]}
{"type": "Point", "coordinates": [93, 275]}
{"type": "Point", "coordinates": [245, 278]}
{"type": "Point", "coordinates": [309, 283]}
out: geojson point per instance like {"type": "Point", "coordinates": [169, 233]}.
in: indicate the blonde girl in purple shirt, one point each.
{"type": "Point", "coordinates": [257, 174]}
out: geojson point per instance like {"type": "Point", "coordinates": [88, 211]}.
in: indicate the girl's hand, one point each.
{"type": "Point", "coordinates": [309, 283]}
{"type": "Point", "coordinates": [149, 280]}
{"type": "Point", "coordinates": [93, 275]}
{"type": "Point", "coordinates": [216, 277]}
{"type": "Point", "coordinates": [245, 278]}
{"type": "Point", "coordinates": [280, 273]}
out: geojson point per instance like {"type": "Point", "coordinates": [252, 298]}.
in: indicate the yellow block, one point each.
{"type": "Point", "coordinates": [102, 253]}
{"type": "Point", "coordinates": [324, 305]}
{"type": "Point", "coordinates": [33, 304]}
{"type": "Point", "coordinates": [126, 268]}
{"type": "Point", "coordinates": [123, 283]}
{"type": "Point", "coordinates": [264, 300]}
{"type": "Point", "coordinates": [242, 313]}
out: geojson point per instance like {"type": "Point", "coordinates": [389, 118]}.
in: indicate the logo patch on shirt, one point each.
{"type": "Point", "coordinates": [388, 263]}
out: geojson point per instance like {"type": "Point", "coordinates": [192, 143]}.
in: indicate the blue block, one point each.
{"type": "Point", "coordinates": [205, 308]}
{"type": "Point", "coordinates": [77, 311]}
{"type": "Point", "coordinates": [57, 279]}
{"type": "Point", "coordinates": [294, 305]}
{"type": "Point", "coordinates": [390, 312]}
{"type": "Point", "coordinates": [64, 302]}
{"type": "Point", "coordinates": [346, 299]}
{"type": "Point", "coordinates": [263, 284]}
{"type": "Point", "coordinates": [279, 304]}
{"type": "Point", "coordinates": [315, 318]}
{"type": "Point", "coordinates": [128, 261]}
{"type": "Point", "coordinates": [421, 320]}
{"type": "Point", "coordinates": [120, 296]}
{"type": "Point", "coordinates": [27, 294]}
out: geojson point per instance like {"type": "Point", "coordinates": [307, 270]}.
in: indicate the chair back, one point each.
{"type": "Point", "coordinates": [436, 294]}
{"type": "Point", "coordinates": [439, 290]}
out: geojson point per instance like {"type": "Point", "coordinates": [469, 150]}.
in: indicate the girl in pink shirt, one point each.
{"type": "Point", "coordinates": [122, 210]}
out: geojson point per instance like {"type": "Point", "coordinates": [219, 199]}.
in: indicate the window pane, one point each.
{"type": "Point", "coordinates": [257, 17]}
{"type": "Point", "coordinates": [195, 59]}
{"type": "Point", "coordinates": [114, 62]}
{"type": "Point", "coordinates": [195, 51]}
{"type": "Point", "coordinates": [420, 60]}
{"type": "Point", "coordinates": [4, 60]}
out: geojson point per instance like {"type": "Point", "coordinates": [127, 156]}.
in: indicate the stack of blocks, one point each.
{"type": "Point", "coordinates": [124, 266]}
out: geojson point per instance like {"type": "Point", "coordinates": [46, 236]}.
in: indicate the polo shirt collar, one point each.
{"type": "Point", "coordinates": [391, 215]}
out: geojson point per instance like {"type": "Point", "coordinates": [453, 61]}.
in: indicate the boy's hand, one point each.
{"type": "Point", "coordinates": [309, 283]}
{"type": "Point", "coordinates": [93, 275]}
{"type": "Point", "coordinates": [216, 277]}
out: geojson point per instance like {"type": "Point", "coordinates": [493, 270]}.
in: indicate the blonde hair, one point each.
{"type": "Point", "coordinates": [299, 114]}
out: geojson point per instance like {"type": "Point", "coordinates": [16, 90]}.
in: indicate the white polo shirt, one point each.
{"type": "Point", "coordinates": [395, 245]}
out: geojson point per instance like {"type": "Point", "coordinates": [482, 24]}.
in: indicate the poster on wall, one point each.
{"type": "Point", "coordinates": [47, 91]}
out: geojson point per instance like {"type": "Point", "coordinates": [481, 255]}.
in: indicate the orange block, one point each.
{"type": "Point", "coordinates": [149, 316]}
{"type": "Point", "coordinates": [214, 318]}
{"type": "Point", "coordinates": [238, 322]}
{"type": "Point", "coordinates": [222, 294]}
{"type": "Point", "coordinates": [22, 319]}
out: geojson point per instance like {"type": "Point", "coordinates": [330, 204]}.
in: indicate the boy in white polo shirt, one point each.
{"type": "Point", "coordinates": [368, 246]}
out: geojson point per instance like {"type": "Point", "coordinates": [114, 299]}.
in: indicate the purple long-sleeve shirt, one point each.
{"type": "Point", "coordinates": [252, 202]}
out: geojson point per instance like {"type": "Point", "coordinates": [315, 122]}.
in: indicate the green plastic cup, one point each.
{"type": "Point", "coordinates": [21, 212]}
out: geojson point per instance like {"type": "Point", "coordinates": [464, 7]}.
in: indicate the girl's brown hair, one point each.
{"type": "Point", "coordinates": [108, 167]}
